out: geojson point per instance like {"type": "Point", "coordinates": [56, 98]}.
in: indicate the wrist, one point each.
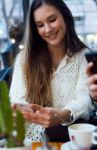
{"type": "Point", "coordinates": [66, 116]}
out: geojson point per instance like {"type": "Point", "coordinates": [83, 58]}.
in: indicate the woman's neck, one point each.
{"type": "Point", "coordinates": [57, 54]}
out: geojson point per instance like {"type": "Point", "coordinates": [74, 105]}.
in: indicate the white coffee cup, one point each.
{"type": "Point", "coordinates": [82, 135]}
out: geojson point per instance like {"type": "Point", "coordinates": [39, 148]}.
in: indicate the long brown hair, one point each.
{"type": "Point", "coordinates": [37, 65]}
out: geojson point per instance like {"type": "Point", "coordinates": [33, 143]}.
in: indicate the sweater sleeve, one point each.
{"type": "Point", "coordinates": [18, 89]}
{"type": "Point", "coordinates": [81, 106]}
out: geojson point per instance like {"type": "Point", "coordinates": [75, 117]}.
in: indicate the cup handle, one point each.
{"type": "Point", "coordinates": [94, 136]}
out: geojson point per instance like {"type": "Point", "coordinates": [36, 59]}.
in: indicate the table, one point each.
{"type": "Point", "coordinates": [53, 144]}
{"type": "Point", "coordinates": [35, 145]}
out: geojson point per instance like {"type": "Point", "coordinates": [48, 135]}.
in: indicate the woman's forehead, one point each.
{"type": "Point", "coordinates": [45, 11]}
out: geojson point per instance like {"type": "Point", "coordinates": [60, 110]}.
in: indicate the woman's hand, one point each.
{"type": "Point", "coordinates": [45, 116]}
{"type": "Point", "coordinates": [25, 109]}
{"type": "Point", "coordinates": [92, 81]}
{"type": "Point", "coordinates": [49, 117]}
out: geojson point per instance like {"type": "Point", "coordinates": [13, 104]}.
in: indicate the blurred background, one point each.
{"type": "Point", "coordinates": [12, 25]}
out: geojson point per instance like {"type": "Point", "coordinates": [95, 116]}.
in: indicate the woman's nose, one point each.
{"type": "Point", "coordinates": [47, 28]}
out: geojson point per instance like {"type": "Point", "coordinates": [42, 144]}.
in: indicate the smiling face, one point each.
{"type": "Point", "coordinates": [50, 24]}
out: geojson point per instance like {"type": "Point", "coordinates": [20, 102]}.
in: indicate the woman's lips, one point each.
{"type": "Point", "coordinates": [52, 36]}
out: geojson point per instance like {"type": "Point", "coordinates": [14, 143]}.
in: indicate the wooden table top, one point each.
{"type": "Point", "coordinates": [35, 145]}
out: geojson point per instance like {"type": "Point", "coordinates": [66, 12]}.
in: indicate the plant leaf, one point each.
{"type": "Point", "coordinates": [2, 123]}
{"type": "Point", "coordinates": [20, 127]}
{"type": "Point", "coordinates": [5, 108]}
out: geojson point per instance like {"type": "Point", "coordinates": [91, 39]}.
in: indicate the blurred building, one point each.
{"type": "Point", "coordinates": [85, 14]}
{"type": "Point", "coordinates": [11, 12]}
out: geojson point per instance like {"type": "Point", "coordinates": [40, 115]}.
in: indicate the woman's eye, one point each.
{"type": "Point", "coordinates": [52, 20]}
{"type": "Point", "coordinates": [39, 25]}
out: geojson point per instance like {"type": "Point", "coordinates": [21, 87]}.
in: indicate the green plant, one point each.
{"type": "Point", "coordinates": [11, 122]}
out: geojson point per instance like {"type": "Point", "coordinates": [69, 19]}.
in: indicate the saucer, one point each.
{"type": "Point", "coordinates": [68, 146]}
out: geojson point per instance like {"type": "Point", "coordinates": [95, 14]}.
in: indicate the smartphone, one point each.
{"type": "Point", "coordinates": [92, 57]}
{"type": "Point", "coordinates": [24, 107]}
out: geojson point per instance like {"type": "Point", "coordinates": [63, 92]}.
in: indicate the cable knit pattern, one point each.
{"type": "Point", "coordinates": [69, 90]}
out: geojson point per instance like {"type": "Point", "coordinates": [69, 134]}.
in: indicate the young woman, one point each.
{"type": "Point", "coordinates": [49, 73]}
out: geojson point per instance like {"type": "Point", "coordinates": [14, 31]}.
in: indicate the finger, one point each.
{"type": "Point", "coordinates": [47, 119]}
{"type": "Point", "coordinates": [36, 107]}
{"type": "Point", "coordinates": [44, 124]}
{"type": "Point", "coordinates": [13, 106]}
{"type": "Point", "coordinates": [26, 117]}
{"type": "Point", "coordinates": [29, 117]}
{"type": "Point", "coordinates": [92, 79]}
{"type": "Point", "coordinates": [40, 118]}
{"type": "Point", "coordinates": [33, 117]}
{"type": "Point", "coordinates": [94, 95]}
{"type": "Point", "coordinates": [93, 88]}
{"type": "Point", "coordinates": [89, 69]}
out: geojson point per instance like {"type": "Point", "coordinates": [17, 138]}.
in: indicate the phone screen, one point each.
{"type": "Point", "coordinates": [24, 107]}
{"type": "Point", "coordinates": [92, 57]}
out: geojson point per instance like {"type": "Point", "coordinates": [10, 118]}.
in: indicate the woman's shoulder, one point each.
{"type": "Point", "coordinates": [20, 56]}
{"type": "Point", "coordinates": [19, 60]}
{"type": "Point", "coordinates": [82, 52]}
{"type": "Point", "coordinates": [80, 56]}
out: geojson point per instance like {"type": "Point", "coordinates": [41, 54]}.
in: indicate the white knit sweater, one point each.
{"type": "Point", "coordinates": [69, 90]}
